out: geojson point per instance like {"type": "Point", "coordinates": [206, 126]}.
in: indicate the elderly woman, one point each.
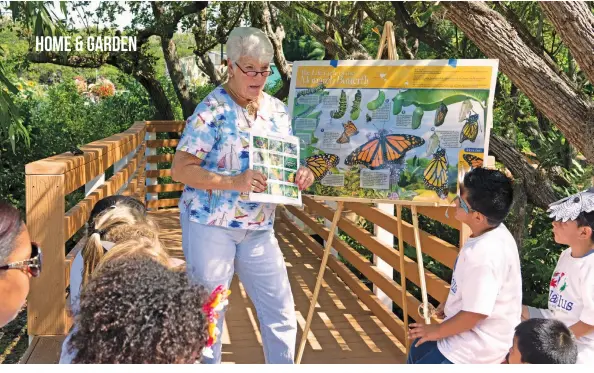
{"type": "Point", "coordinates": [222, 231]}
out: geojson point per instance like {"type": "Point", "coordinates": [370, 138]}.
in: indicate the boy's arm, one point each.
{"type": "Point", "coordinates": [478, 300]}
{"type": "Point", "coordinates": [461, 322]}
{"type": "Point", "coordinates": [580, 329]}
{"type": "Point", "coordinates": [585, 325]}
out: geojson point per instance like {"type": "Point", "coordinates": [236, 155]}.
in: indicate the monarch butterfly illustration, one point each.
{"type": "Point", "coordinates": [473, 161]}
{"type": "Point", "coordinates": [436, 174]}
{"type": "Point", "coordinates": [440, 115]}
{"type": "Point", "coordinates": [321, 164]}
{"type": "Point", "coordinates": [349, 130]}
{"type": "Point", "coordinates": [470, 129]}
{"type": "Point", "coordinates": [383, 149]}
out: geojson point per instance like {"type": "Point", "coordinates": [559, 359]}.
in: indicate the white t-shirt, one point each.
{"type": "Point", "coordinates": [76, 281]}
{"type": "Point", "coordinates": [571, 298]}
{"type": "Point", "coordinates": [486, 280]}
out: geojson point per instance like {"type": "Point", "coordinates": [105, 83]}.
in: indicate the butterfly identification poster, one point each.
{"type": "Point", "coordinates": [277, 157]}
{"type": "Point", "coordinates": [392, 130]}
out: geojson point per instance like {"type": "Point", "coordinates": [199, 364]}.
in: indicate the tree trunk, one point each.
{"type": "Point", "coordinates": [572, 113]}
{"type": "Point", "coordinates": [517, 217]}
{"type": "Point", "coordinates": [276, 34]}
{"type": "Point", "coordinates": [157, 95]}
{"type": "Point", "coordinates": [575, 24]}
{"type": "Point", "coordinates": [205, 64]}
{"type": "Point", "coordinates": [536, 184]}
{"type": "Point", "coordinates": [182, 90]}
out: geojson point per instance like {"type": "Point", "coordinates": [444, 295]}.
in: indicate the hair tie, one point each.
{"type": "Point", "coordinates": [98, 231]}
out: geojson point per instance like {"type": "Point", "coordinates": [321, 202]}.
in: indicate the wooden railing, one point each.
{"type": "Point", "coordinates": [48, 183]}
{"type": "Point", "coordinates": [432, 246]}
{"type": "Point", "coordinates": [153, 160]}
{"type": "Point", "coordinates": [140, 158]}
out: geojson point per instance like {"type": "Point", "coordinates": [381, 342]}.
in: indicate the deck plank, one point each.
{"type": "Point", "coordinates": [343, 330]}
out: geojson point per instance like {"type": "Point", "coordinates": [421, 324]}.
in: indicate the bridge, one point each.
{"type": "Point", "coordinates": [362, 312]}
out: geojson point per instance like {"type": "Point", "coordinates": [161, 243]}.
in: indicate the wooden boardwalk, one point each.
{"type": "Point", "coordinates": [343, 330]}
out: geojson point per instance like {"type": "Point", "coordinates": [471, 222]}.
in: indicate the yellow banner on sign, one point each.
{"type": "Point", "coordinates": [461, 77]}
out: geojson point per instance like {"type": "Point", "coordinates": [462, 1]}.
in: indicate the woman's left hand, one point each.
{"type": "Point", "coordinates": [304, 178]}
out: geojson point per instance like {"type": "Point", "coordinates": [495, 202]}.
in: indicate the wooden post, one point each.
{"type": "Point", "coordinates": [402, 275]}
{"type": "Point", "coordinates": [328, 224]}
{"type": "Point", "coordinates": [46, 307]}
{"type": "Point", "coordinates": [415, 219]}
{"type": "Point", "coordinates": [312, 306]}
{"type": "Point", "coordinates": [151, 166]}
{"type": "Point", "coordinates": [386, 238]}
{"type": "Point", "coordinates": [383, 235]}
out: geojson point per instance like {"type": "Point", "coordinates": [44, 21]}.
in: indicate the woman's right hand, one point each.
{"type": "Point", "coordinates": [250, 181]}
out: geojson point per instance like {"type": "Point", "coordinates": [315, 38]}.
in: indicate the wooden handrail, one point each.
{"type": "Point", "coordinates": [435, 247]}
{"type": "Point", "coordinates": [48, 182]}
{"type": "Point", "coordinates": [76, 217]}
{"type": "Point", "coordinates": [165, 126]}
{"type": "Point", "coordinates": [62, 163]}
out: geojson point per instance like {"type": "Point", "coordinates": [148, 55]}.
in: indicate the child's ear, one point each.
{"type": "Point", "coordinates": [586, 233]}
{"type": "Point", "coordinates": [480, 218]}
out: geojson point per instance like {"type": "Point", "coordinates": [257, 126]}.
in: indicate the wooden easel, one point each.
{"type": "Point", "coordinates": [387, 40]}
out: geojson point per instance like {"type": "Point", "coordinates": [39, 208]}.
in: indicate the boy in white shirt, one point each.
{"type": "Point", "coordinates": [571, 290]}
{"type": "Point", "coordinates": [485, 300]}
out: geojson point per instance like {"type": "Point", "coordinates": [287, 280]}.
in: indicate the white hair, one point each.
{"type": "Point", "coordinates": [249, 42]}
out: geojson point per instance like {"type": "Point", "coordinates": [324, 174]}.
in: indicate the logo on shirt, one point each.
{"type": "Point", "coordinates": [558, 278]}
{"type": "Point", "coordinates": [454, 286]}
{"type": "Point", "coordinates": [558, 285]}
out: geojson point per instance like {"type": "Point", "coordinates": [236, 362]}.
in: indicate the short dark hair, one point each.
{"type": "Point", "coordinates": [111, 201]}
{"type": "Point", "coordinates": [545, 341]}
{"type": "Point", "coordinates": [11, 225]}
{"type": "Point", "coordinates": [136, 311]}
{"type": "Point", "coordinates": [489, 192]}
{"type": "Point", "coordinates": [586, 219]}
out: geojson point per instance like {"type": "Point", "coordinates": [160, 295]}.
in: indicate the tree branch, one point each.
{"type": "Point", "coordinates": [531, 41]}
{"type": "Point", "coordinates": [575, 24]}
{"type": "Point", "coordinates": [329, 43]}
{"type": "Point", "coordinates": [426, 34]}
{"type": "Point", "coordinates": [558, 100]}
{"type": "Point", "coordinates": [276, 38]}
{"type": "Point", "coordinates": [344, 33]}
{"type": "Point", "coordinates": [400, 40]}
{"type": "Point", "coordinates": [537, 185]}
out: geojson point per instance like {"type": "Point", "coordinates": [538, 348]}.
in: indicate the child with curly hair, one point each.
{"type": "Point", "coordinates": [135, 310]}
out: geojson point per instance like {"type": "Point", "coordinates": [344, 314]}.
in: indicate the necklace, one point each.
{"type": "Point", "coordinates": [252, 105]}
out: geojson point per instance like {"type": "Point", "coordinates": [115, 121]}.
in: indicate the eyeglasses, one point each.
{"type": "Point", "coordinates": [32, 265]}
{"type": "Point", "coordinates": [463, 204]}
{"type": "Point", "coordinates": [255, 73]}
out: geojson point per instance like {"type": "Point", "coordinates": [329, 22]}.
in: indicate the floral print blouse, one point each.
{"type": "Point", "coordinates": [218, 133]}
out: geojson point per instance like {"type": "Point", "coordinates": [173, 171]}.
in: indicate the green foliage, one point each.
{"type": "Point", "coordinates": [299, 47]}
{"type": "Point", "coordinates": [60, 119]}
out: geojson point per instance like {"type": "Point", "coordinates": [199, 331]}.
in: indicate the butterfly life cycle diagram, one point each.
{"type": "Point", "coordinates": [392, 130]}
